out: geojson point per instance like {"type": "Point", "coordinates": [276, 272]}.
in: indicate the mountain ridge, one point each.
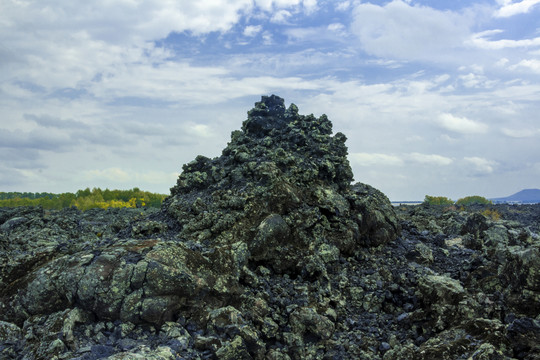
{"type": "Point", "coordinates": [525, 196]}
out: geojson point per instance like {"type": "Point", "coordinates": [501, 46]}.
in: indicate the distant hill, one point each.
{"type": "Point", "coordinates": [527, 196]}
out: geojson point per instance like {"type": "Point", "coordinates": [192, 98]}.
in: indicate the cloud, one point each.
{"type": "Point", "coordinates": [335, 33]}
{"type": "Point", "coordinates": [281, 16]}
{"type": "Point", "coordinates": [122, 176]}
{"type": "Point", "coordinates": [20, 158]}
{"type": "Point", "coordinates": [11, 178]}
{"type": "Point", "coordinates": [461, 124]}
{"type": "Point", "coordinates": [35, 139]}
{"type": "Point", "coordinates": [402, 31]}
{"type": "Point", "coordinates": [510, 8]}
{"type": "Point", "coordinates": [481, 40]}
{"type": "Point", "coordinates": [252, 30]}
{"type": "Point", "coordinates": [430, 159]}
{"type": "Point", "coordinates": [199, 130]}
{"type": "Point", "coordinates": [474, 80]}
{"type": "Point", "coordinates": [67, 133]}
{"type": "Point", "coordinates": [481, 166]}
{"type": "Point", "coordinates": [111, 174]}
{"type": "Point", "coordinates": [181, 82]}
{"type": "Point", "coordinates": [343, 6]}
{"type": "Point", "coordinates": [378, 159]}
{"type": "Point", "coordinates": [127, 22]}
{"type": "Point", "coordinates": [531, 64]}
{"type": "Point", "coordinates": [310, 6]}
{"type": "Point", "coordinates": [520, 133]}
{"type": "Point", "coordinates": [370, 159]}
{"type": "Point", "coordinates": [337, 28]}
{"type": "Point", "coordinates": [96, 45]}
{"type": "Point", "coordinates": [140, 128]}
{"type": "Point", "coordinates": [48, 121]}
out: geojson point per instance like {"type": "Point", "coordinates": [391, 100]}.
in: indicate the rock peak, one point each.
{"type": "Point", "coordinates": [268, 114]}
{"type": "Point", "coordinates": [274, 104]}
{"type": "Point", "coordinates": [301, 147]}
{"type": "Point", "coordinates": [281, 170]}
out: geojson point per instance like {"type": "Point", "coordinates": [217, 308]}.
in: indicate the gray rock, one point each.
{"type": "Point", "coordinates": [306, 320]}
{"type": "Point", "coordinates": [377, 219]}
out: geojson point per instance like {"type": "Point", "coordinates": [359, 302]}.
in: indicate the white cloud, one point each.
{"type": "Point", "coordinates": [125, 22]}
{"type": "Point", "coordinates": [461, 124]}
{"type": "Point", "coordinates": [334, 32]}
{"type": "Point", "coordinates": [472, 80]}
{"type": "Point", "coordinates": [481, 40]}
{"type": "Point", "coordinates": [520, 133]}
{"type": "Point", "coordinates": [174, 82]}
{"type": "Point", "coordinates": [337, 28]}
{"type": "Point", "coordinates": [81, 45]}
{"type": "Point", "coordinates": [379, 159]}
{"type": "Point", "coordinates": [371, 159]}
{"type": "Point", "coordinates": [531, 64]}
{"type": "Point", "coordinates": [510, 8]}
{"type": "Point", "coordinates": [199, 130]}
{"type": "Point", "coordinates": [157, 177]}
{"type": "Point", "coordinates": [400, 30]}
{"type": "Point", "coordinates": [343, 6]}
{"type": "Point", "coordinates": [310, 6]}
{"type": "Point", "coordinates": [268, 38]}
{"type": "Point", "coordinates": [268, 5]}
{"type": "Point", "coordinates": [110, 174]}
{"type": "Point", "coordinates": [447, 138]}
{"type": "Point", "coordinates": [252, 30]}
{"type": "Point", "coordinates": [441, 78]}
{"type": "Point", "coordinates": [117, 175]}
{"type": "Point", "coordinates": [281, 17]}
{"type": "Point", "coordinates": [481, 166]}
{"type": "Point", "coordinates": [430, 159]}
{"type": "Point", "coordinates": [129, 22]}
{"type": "Point", "coordinates": [502, 62]}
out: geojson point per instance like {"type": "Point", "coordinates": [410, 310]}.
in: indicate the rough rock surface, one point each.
{"type": "Point", "coordinates": [269, 252]}
{"type": "Point", "coordinates": [281, 188]}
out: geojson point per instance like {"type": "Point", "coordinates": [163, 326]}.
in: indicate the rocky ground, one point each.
{"type": "Point", "coordinates": [267, 252]}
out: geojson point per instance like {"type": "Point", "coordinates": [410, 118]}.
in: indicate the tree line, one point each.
{"type": "Point", "coordinates": [84, 199]}
{"type": "Point", "coordinates": [468, 200]}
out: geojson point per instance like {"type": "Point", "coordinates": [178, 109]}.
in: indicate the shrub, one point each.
{"type": "Point", "coordinates": [471, 200]}
{"type": "Point", "coordinates": [492, 214]}
{"type": "Point", "coordinates": [438, 200]}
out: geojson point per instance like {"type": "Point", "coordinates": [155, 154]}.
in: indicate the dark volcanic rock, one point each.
{"type": "Point", "coordinates": [269, 252]}
{"type": "Point", "coordinates": [281, 186]}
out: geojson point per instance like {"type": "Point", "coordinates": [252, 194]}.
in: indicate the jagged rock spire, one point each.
{"type": "Point", "coordinates": [282, 173]}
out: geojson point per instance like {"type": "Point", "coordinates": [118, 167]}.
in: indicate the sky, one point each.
{"type": "Point", "coordinates": [437, 98]}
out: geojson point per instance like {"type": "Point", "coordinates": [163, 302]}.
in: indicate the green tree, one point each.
{"type": "Point", "coordinates": [83, 193]}
{"type": "Point", "coordinates": [83, 199]}
{"type": "Point", "coordinates": [438, 200]}
{"type": "Point", "coordinates": [470, 200]}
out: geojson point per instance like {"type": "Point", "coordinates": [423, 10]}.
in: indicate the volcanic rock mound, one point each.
{"type": "Point", "coordinates": [283, 188]}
